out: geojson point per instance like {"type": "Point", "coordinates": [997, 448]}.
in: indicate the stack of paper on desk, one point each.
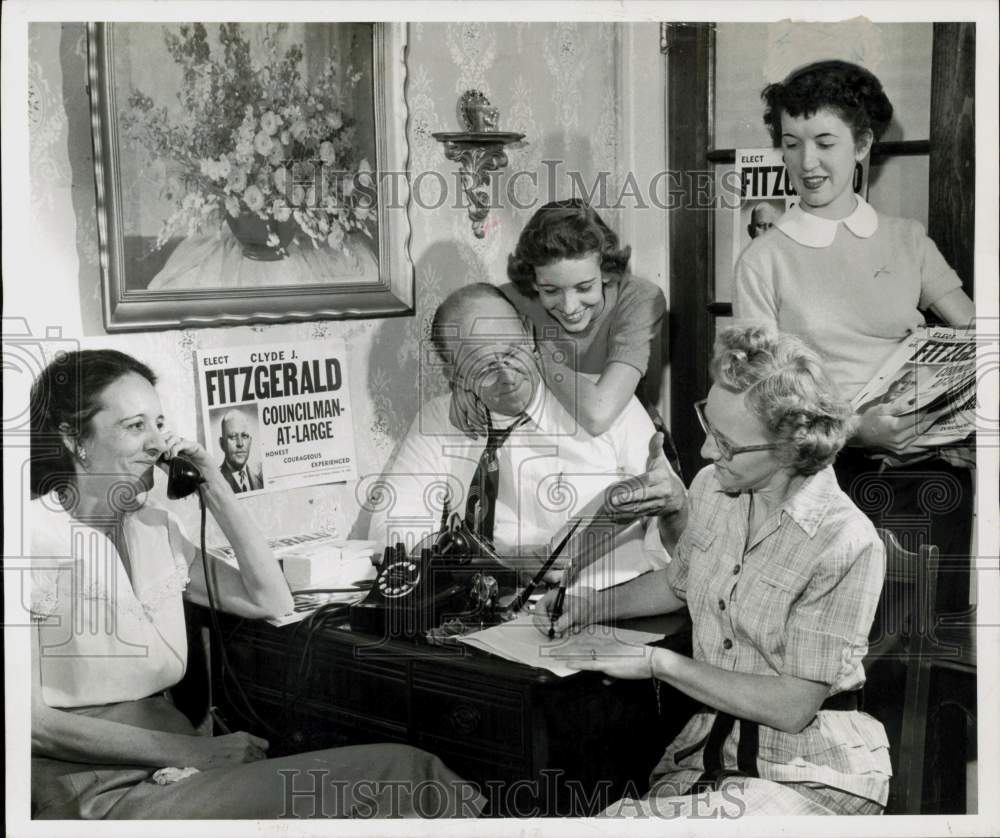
{"type": "Point", "coordinates": [315, 560]}
{"type": "Point", "coordinates": [336, 565]}
{"type": "Point", "coordinates": [520, 641]}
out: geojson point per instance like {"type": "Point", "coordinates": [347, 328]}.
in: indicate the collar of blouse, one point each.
{"type": "Point", "coordinates": [812, 231]}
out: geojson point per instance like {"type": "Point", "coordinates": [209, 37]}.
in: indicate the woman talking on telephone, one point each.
{"type": "Point", "coordinates": [110, 568]}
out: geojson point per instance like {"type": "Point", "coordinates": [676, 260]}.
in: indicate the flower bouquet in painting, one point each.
{"type": "Point", "coordinates": [259, 146]}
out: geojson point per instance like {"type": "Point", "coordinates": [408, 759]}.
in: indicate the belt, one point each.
{"type": "Point", "coordinates": [748, 745]}
{"type": "Point", "coordinates": [842, 701]}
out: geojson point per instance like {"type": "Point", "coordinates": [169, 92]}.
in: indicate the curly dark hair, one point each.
{"type": "Point", "coordinates": [569, 229]}
{"type": "Point", "coordinates": [64, 398]}
{"type": "Point", "coordinates": [850, 91]}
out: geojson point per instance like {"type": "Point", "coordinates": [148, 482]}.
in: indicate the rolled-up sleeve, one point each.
{"type": "Point", "coordinates": [826, 634]}
{"type": "Point", "coordinates": [677, 570]}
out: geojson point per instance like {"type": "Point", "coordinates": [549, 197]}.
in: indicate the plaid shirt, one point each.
{"type": "Point", "coordinates": [800, 601]}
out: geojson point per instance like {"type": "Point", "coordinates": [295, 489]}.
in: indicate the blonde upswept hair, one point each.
{"type": "Point", "coordinates": [787, 388]}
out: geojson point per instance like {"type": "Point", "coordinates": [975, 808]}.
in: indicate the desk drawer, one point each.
{"type": "Point", "coordinates": [474, 721]}
{"type": "Point", "coordinates": [372, 690]}
{"type": "Point", "coordinates": [330, 676]}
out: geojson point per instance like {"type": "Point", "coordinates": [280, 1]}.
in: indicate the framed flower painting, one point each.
{"type": "Point", "coordinates": [250, 172]}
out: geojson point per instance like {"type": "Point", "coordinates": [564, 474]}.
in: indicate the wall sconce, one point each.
{"type": "Point", "coordinates": [479, 150]}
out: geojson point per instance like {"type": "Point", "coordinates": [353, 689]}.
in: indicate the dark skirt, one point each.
{"type": "Point", "coordinates": [364, 781]}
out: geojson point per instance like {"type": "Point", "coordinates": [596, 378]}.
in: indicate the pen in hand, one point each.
{"type": "Point", "coordinates": [522, 597]}
{"type": "Point", "coordinates": [556, 611]}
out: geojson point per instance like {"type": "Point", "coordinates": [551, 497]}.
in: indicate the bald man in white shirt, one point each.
{"type": "Point", "coordinates": [549, 468]}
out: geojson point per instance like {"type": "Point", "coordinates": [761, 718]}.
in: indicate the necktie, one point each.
{"type": "Point", "coordinates": [480, 508]}
{"type": "Point", "coordinates": [243, 481]}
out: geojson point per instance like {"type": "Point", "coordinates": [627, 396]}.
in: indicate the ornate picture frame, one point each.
{"type": "Point", "coordinates": [187, 239]}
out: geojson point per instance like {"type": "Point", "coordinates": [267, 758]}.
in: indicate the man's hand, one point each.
{"type": "Point", "coordinates": [468, 413]}
{"type": "Point", "coordinates": [657, 492]}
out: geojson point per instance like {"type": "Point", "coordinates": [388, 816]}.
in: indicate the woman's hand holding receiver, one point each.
{"type": "Point", "coordinates": [174, 445]}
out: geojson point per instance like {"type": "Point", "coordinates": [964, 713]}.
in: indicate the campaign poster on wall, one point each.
{"type": "Point", "coordinates": [278, 415]}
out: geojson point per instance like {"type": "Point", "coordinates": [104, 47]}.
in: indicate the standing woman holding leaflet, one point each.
{"type": "Point", "coordinates": [853, 283]}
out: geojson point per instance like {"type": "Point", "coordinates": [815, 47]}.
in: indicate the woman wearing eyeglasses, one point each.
{"type": "Point", "coordinates": [781, 574]}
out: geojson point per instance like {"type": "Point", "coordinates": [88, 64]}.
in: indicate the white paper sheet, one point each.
{"type": "Point", "coordinates": [520, 641]}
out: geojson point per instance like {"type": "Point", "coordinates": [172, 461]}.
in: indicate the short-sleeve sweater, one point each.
{"type": "Point", "coordinates": [853, 298]}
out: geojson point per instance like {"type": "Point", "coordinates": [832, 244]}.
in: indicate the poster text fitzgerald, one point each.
{"type": "Point", "coordinates": [232, 385]}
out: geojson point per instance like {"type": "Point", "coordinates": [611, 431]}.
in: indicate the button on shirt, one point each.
{"type": "Point", "coordinates": [800, 603]}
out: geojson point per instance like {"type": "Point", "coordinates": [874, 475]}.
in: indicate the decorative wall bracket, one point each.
{"type": "Point", "coordinates": [479, 153]}
{"type": "Point", "coordinates": [479, 150]}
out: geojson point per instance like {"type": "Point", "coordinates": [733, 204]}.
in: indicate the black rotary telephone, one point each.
{"type": "Point", "coordinates": [413, 593]}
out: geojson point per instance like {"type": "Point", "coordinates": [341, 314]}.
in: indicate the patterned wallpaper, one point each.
{"type": "Point", "coordinates": [554, 82]}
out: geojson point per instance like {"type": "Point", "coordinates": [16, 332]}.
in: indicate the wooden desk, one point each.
{"type": "Point", "coordinates": [537, 744]}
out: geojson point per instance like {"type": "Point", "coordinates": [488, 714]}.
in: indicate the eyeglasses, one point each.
{"type": "Point", "coordinates": [481, 369]}
{"type": "Point", "coordinates": [726, 448]}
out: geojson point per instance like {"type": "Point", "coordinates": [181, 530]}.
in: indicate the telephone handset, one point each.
{"type": "Point", "coordinates": [183, 478]}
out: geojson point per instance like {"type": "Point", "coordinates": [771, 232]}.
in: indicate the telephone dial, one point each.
{"type": "Point", "coordinates": [413, 593]}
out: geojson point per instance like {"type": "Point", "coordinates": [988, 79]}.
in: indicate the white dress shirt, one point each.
{"type": "Point", "coordinates": [549, 469]}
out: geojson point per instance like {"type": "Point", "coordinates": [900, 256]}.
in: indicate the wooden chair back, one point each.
{"type": "Point", "coordinates": [900, 642]}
